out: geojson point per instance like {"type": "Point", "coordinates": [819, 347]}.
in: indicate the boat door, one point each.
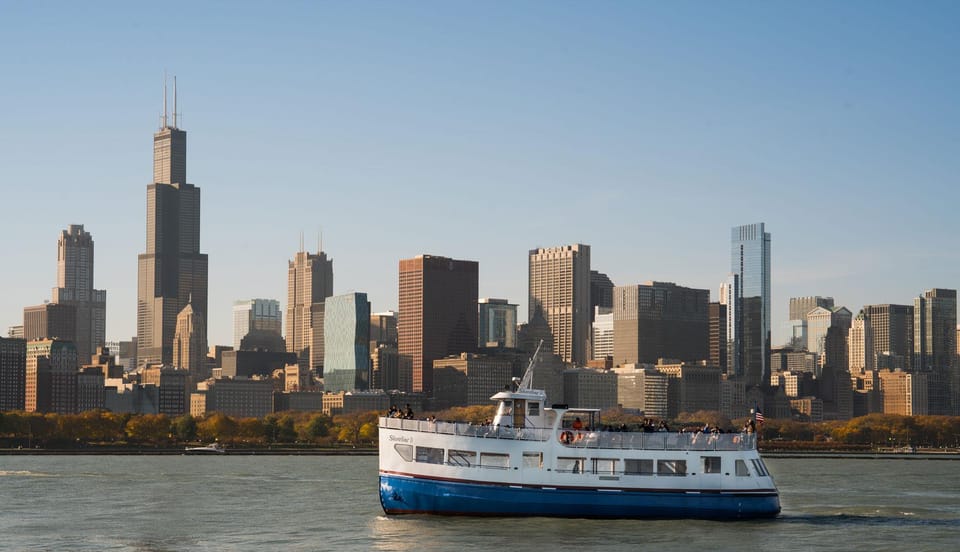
{"type": "Point", "coordinates": [519, 412]}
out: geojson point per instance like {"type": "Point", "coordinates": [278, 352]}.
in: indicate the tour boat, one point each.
{"type": "Point", "coordinates": [535, 460]}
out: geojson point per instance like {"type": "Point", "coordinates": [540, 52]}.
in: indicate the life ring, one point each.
{"type": "Point", "coordinates": [566, 437]}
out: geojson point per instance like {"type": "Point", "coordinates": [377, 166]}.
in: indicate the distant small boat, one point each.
{"type": "Point", "coordinates": [215, 448]}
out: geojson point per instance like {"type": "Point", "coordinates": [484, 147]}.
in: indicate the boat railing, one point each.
{"type": "Point", "coordinates": [658, 440]}
{"type": "Point", "coordinates": [583, 439]}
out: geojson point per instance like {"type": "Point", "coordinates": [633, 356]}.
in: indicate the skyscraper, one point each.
{"type": "Point", "coordinates": [51, 384]}
{"type": "Point", "coordinates": [309, 283]}
{"type": "Point", "coordinates": [801, 306]}
{"type": "Point", "coordinates": [860, 345]}
{"type": "Point", "coordinates": [437, 316]}
{"type": "Point", "coordinates": [346, 343]}
{"type": "Point", "coordinates": [190, 343]}
{"type": "Point", "coordinates": [75, 287]}
{"type": "Point", "coordinates": [172, 271]}
{"type": "Point", "coordinates": [601, 292]}
{"type": "Point", "coordinates": [891, 329]}
{"type": "Point", "coordinates": [660, 320]}
{"type": "Point", "coordinates": [934, 346]}
{"type": "Point", "coordinates": [50, 321]}
{"type": "Point", "coordinates": [498, 323]}
{"type": "Point", "coordinates": [13, 373]}
{"type": "Point", "coordinates": [750, 312]}
{"type": "Point", "coordinates": [255, 315]}
{"type": "Point", "coordinates": [559, 286]}
{"type": "Point", "coordinates": [717, 313]}
{"type": "Point", "coordinates": [819, 320]}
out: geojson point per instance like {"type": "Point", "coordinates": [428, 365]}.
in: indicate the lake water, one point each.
{"type": "Point", "coordinates": [154, 503]}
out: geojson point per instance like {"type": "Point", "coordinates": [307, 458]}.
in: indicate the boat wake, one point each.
{"type": "Point", "coordinates": [877, 518]}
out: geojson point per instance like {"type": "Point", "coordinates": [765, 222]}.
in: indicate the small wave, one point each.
{"type": "Point", "coordinates": [23, 473]}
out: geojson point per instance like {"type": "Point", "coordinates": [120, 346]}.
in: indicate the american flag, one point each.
{"type": "Point", "coordinates": [759, 416]}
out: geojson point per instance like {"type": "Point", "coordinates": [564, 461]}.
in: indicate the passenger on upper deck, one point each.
{"type": "Point", "coordinates": [408, 412]}
{"type": "Point", "coordinates": [577, 424]}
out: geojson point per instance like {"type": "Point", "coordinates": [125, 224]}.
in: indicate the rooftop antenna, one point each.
{"type": "Point", "coordinates": [301, 241]}
{"type": "Point", "coordinates": [164, 99]}
{"type": "Point", "coordinates": [174, 101]}
{"type": "Point", "coordinates": [320, 241]}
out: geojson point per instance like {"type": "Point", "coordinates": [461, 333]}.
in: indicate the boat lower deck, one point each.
{"type": "Point", "coordinates": [405, 494]}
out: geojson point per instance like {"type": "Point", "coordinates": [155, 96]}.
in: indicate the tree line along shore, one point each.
{"type": "Point", "coordinates": [315, 430]}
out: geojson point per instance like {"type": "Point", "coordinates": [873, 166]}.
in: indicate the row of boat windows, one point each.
{"type": "Point", "coordinates": [574, 464]}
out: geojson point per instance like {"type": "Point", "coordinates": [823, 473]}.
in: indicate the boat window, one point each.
{"type": "Point", "coordinates": [633, 466]}
{"type": "Point", "coordinates": [493, 460]}
{"type": "Point", "coordinates": [742, 470]}
{"type": "Point", "coordinates": [604, 466]}
{"type": "Point", "coordinates": [506, 408]}
{"type": "Point", "coordinates": [711, 464]}
{"type": "Point", "coordinates": [533, 460]}
{"type": "Point", "coordinates": [569, 465]}
{"type": "Point", "coordinates": [430, 455]}
{"type": "Point", "coordinates": [759, 467]}
{"type": "Point", "coordinates": [533, 409]}
{"type": "Point", "coordinates": [405, 451]}
{"type": "Point", "coordinates": [671, 467]}
{"type": "Point", "coordinates": [464, 458]}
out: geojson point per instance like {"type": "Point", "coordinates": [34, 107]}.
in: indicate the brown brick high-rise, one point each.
{"type": "Point", "coordinates": [438, 314]}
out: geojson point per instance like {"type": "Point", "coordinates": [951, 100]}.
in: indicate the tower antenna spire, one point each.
{"type": "Point", "coordinates": [175, 101]}
{"type": "Point", "coordinates": [301, 241]}
{"type": "Point", "coordinates": [320, 240]}
{"type": "Point", "coordinates": [164, 100]}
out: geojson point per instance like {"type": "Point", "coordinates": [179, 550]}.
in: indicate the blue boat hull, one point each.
{"type": "Point", "coordinates": [408, 495]}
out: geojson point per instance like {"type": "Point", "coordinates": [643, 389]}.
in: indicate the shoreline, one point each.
{"type": "Point", "coordinates": [372, 451]}
{"type": "Point", "coordinates": [180, 451]}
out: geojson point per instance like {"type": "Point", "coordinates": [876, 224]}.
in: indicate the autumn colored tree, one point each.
{"type": "Point", "coordinates": [217, 426]}
{"type": "Point", "coordinates": [149, 428]}
{"type": "Point", "coordinates": [356, 427]}
{"type": "Point", "coordinates": [252, 430]}
{"type": "Point", "coordinates": [314, 428]}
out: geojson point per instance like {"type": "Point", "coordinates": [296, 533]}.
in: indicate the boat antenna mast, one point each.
{"type": "Point", "coordinates": [527, 380]}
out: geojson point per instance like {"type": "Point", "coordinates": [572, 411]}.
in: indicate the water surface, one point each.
{"type": "Point", "coordinates": [156, 503]}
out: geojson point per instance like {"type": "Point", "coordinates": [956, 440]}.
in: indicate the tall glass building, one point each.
{"type": "Point", "coordinates": [748, 309]}
{"type": "Point", "coordinates": [346, 337]}
{"type": "Point", "coordinates": [498, 323]}
{"type": "Point", "coordinates": [255, 315]}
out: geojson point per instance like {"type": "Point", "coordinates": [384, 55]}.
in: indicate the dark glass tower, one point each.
{"type": "Point", "coordinates": [749, 313]}
{"type": "Point", "coordinates": [172, 272]}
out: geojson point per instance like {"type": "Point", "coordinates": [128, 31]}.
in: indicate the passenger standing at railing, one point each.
{"type": "Point", "coordinates": [408, 413]}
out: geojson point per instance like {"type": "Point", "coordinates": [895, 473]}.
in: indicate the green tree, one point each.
{"type": "Point", "coordinates": [315, 428]}
{"type": "Point", "coordinates": [184, 427]}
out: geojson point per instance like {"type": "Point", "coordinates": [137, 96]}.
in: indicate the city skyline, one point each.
{"type": "Point", "coordinates": [856, 123]}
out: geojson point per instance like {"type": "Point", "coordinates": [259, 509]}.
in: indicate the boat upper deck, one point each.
{"type": "Point", "coordinates": [631, 440]}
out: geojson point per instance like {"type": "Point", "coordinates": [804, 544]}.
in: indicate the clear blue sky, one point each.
{"type": "Point", "coordinates": [480, 130]}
